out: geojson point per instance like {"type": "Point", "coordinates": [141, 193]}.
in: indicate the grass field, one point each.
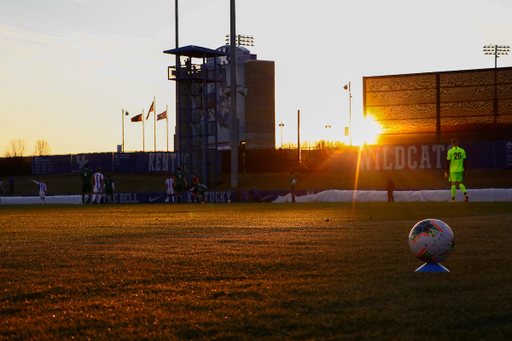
{"type": "Point", "coordinates": [251, 272]}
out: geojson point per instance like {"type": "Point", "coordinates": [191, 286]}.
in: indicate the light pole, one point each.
{"type": "Point", "coordinates": [125, 113]}
{"type": "Point", "coordinates": [327, 127]}
{"type": "Point", "coordinates": [281, 125]}
{"type": "Point", "coordinates": [496, 51]}
{"type": "Point", "coordinates": [347, 87]}
{"type": "Point", "coordinates": [233, 115]}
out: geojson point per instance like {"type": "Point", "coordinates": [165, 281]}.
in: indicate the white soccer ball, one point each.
{"type": "Point", "coordinates": [431, 240]}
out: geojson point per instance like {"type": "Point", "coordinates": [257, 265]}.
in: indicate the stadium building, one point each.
{"type": "Point", "coordinates": [203, 104]}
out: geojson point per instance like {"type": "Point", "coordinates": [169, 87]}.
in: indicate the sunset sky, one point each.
{"type": "Point", "coordinates": [69, 67]}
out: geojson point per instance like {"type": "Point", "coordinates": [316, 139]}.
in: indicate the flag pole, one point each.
{"type": "Point", "coordinates": [154, 121]}
{"type": "Point", "coordinates": [123, 128]}
{"type": "Point", "coordinates": [143, 135]}
{"type": "Point", "coordinates": [167, 123]}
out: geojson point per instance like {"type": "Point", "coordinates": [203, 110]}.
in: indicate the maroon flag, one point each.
{"type": "Point", "coordinates": [137, 118]}
{"type": "Point", "coordinates": [161, 116]}
{"type": "Point", "coordinates": [151, 109]}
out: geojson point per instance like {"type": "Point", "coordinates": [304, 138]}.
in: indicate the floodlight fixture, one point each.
{"type": "Point", "coordinates": [241, 40]}
{"type": "Point", "coordinates": [281, 125]}
{"type": "Point", "coordinates": [496, 51]}
{"type": "Point", "coordinates": [327, 127]}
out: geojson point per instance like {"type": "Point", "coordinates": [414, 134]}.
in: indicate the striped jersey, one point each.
{"type": "Point", "coordinates": [98, 177]}
{"type": "Point", "coordinates": [42, 186]}
{"type": "Point", "coordinates": [169, 183]}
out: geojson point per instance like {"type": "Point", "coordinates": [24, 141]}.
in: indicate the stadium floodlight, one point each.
{"type": "Point", "coordinates": [281, 125]}
{"type": "Point", "coordinates": [327, 127]}
{"type": "Point", "coordinates": [241, 40]}
{"type": "Point", "coordinates": [496, 51]}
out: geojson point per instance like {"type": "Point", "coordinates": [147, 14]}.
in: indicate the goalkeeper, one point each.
{"type": "Point", "coordinates": [456, 168]}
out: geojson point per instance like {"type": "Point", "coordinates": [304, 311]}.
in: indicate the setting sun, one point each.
{"type": "Point", "coordinates": [365, 131]}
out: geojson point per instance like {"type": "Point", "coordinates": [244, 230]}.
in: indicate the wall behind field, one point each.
{"type": "Point", "coordinates": [407, 157]}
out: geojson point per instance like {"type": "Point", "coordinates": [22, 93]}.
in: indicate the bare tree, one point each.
{"type": "Point", "coordinates": [16, 148]}
{"type": "Point", "coordinates": [289, 145]}
{"type": "Point", "coordinates": [42, 148]}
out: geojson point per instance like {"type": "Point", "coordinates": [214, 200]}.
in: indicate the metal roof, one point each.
{"type": "Point", "coordinates": [195, 52]}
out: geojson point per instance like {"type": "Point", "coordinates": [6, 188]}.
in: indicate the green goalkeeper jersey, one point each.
{"type": "Point", "coordinates": [456, 156]}
{"type": "Point", "coordinates": [180, 179]}
{"type": "Point", "coordinates": [86, 176]}
{"type": "Point", "coordinates": [108, 184]}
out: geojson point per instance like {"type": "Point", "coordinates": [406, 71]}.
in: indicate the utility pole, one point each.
{"type": "Point", "coordinates": [298, 137]}
{"type": "Point", "coordinates": [233, 122]}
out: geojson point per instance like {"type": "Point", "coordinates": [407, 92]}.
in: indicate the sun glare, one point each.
{"type": "Point", "coordinates": [365, 131]}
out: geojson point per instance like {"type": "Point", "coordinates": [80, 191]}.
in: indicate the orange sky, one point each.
{"type": "Point", "coordinates": [69, 67]}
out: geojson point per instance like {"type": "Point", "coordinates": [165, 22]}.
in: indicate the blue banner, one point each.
{"type": "Point", "coordinates": [424, 157]}
{"type": "Point", "coordinates": [480, 155]}
{"type": "Point", "coordinates": [103, 161]}
{"type": "Point", "coordinates": [156, 162]}
{"type": "Point", "coordinates": [159, 197]}
{"type": "Point", "coordinates": [124, 162]}
{"type": "Point", "coordinates": [503, 154]}
{"type": "Point", "coordinates": [51, 165]}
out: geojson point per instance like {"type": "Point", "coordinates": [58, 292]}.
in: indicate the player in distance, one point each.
{"type": "Point", "coordinates": [42, 190]}
{"type": "Point", "coordinates": [169, 182]}
{"type": "Point", "coordinates": [456, 169]}
{"type": "Point", "coordinates": [179, 182]}
{"type": "Point", "coordinates": [86, 176]}
{"type": "Point", "coordinates": [109, 189]}
{"type": "Point", "coordinates": [99, 184]}
{"type": "Point", "coordinates": [198, 190]}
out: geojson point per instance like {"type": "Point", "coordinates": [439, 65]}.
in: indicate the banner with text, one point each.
{"type": "Point", "coordinates": [156, 162]}
{"type": "Point", "coordinates": [51, 165]}
{"type": "Point", "coordinates": [503, 154]}
{"type": "Point", "coordinates": [215, 197]}
{"type": "Point", "coordinates": [424, 157]}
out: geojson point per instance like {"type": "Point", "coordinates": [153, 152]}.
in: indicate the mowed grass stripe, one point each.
{"type": "Point", "coordinates": [245, 272]}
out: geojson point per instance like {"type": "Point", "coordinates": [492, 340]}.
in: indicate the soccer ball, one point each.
{"type": "Point", "coordinates": [431, 240]}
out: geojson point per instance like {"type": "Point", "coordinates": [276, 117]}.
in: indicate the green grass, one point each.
{"type": "Point", "coordinates": [246, 272]}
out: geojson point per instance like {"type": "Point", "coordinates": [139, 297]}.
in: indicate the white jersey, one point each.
{"type": "Point", "coordinates": [98, 178]}
{"type": "Point", "coordinates": [42, 187]}
{"type": "Point", "coordinates": [169, 186]}
{"type": "Point", "coordinates": [169, 183]}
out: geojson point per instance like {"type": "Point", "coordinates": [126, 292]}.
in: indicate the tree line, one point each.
{"type": "Point", "coordinates": [321, 144]}
{"type": "Point", "coordinates": [18, 147]}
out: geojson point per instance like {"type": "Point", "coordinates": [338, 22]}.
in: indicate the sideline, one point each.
{"type": "Point", "coordinates": [475, 195]}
